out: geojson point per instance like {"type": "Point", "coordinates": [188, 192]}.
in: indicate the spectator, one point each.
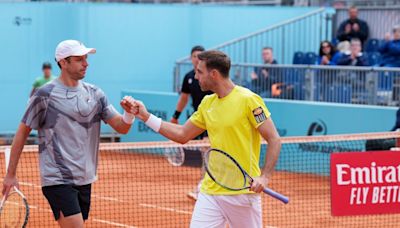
{"type": "Point", "coordinates": [355, 57]}
{"type": "Point", "coordinates": [47, 77]}
{"type": "Point", "coordinates": [390, 50]}
{"type": "Point", "coordinates": [327, 54]}
{"type": "Point", "coordinates": [353, 27]}
{"type": "Point", "coordinates": [261, 81]}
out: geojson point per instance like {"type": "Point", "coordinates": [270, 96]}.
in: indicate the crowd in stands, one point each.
{"type": "Point", "coordinates": [352, 47]}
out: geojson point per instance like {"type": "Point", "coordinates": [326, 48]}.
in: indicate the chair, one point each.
{"type": "Point", "coordinates": [298, 58]}
{"type": "Point", "coordinates": [372, 45]}
{"type": "Point", "coordinates": [374, 58]}
{"type": "Point", "coordinates": [310, 58]}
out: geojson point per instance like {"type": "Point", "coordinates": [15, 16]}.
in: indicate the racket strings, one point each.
{"type": "Point", "coordinates": [13, 212]}
{"type": "Point", "coordinates": [225, 171]}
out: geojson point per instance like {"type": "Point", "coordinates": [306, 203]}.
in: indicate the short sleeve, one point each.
{"type": "Point", "coordinates": [35, 113]}
{"type": "Point", "coordinates": [107, 110]}
{"type": "Point", "coordinates": [185, 84]}
{"type": "Point", "coordinates": [35, 84]}
{"type": "Point", "coordinates": [257, 111]}
{"type": "Point", "coordinates": [198, 117]}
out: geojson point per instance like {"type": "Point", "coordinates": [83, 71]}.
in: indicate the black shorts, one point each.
{"type": "Point", "coordinates": [69, 199]}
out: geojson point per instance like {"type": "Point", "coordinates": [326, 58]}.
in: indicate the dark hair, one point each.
{"type": "Point", "coordinates": [59, 65]}
{"type": "Point", "coordinates": [197, 48]}
{"type": "Point", "coordinates": [216, 60]}
{"type": "Point", "coordinates": [46, 65]}
{"type": "Point", "coordinates": [333, 49]}
{"type": "Point", "coordinates": [268, 48]}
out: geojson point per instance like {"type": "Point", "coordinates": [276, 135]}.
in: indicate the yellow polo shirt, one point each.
{"type": "Point", "coordinates": [231, 123]}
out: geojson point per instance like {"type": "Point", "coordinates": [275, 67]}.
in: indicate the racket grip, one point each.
{"type": "Point", "coordinates": [276, 195]}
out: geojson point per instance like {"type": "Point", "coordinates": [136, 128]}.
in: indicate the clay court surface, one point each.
{"type": "Point", "coordinates": [137, 190]}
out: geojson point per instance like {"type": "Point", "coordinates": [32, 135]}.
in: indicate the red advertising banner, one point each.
{"type": "Point", "coordinates": [365, 183]}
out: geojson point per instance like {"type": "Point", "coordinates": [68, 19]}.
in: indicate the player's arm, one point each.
{"type": "Point", "coordinates": [180, 133]}
{"type": "Point", "coordinates": [17, 146]}
{"type": "Point", "coordinates": [174, 132]}
{"type": "Point", "coordinates": [182, 102]}
{"type": "Point", "coordinates": [122, 123]}
{"type": "Point", "coordinates": [269, 133]}
{"type": "Point", "coordinates": [118, 124]}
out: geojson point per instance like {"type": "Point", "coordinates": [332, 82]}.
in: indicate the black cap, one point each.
{"type": "Point", "coordinates": [46, 65]}
{"type": "Point", "coordinates": [197, 48]}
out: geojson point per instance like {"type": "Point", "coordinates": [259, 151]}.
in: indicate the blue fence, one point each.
{"type": "Point", "coordinates": [137, 44]}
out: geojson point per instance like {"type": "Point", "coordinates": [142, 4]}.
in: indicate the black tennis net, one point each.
{"type": "Point", "coordinates": [147, 184]}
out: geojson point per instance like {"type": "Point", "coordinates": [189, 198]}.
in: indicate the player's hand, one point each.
{"type": "Point", "coordinates": [173, 120]}
{"type": "Point", "coordinates": [258, 184]}
{"type": "Point", "coordinates": [8, 183]}
{"type": "Point", "coordinates": [127, 103]}
{"type": "Point", "coordinates": [142, 112]}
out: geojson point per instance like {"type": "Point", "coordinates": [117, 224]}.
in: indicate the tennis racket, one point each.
{"type": "Point", "coordinates": [224, 170]}
{"type": "Point", "coordinates": [175, 156]}
{"type": "Point", "coordinates": [14, 210]}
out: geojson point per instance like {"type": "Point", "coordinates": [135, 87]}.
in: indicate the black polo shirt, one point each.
{"type": "Point", "coordinates": [191, 86]}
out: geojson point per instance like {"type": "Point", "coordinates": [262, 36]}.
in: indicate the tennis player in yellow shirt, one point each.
{"type": "Point", "coordinates": [235, 118]}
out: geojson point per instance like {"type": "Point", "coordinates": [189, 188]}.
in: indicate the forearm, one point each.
{"type": "Point", "coordinates": [173, 132]}
{"type": "Point", "coordinates": [274, 147]}
{"type": "Point", "coordinates": [17, 147]}
{"type": "Point", "coordinates": [121, 126]}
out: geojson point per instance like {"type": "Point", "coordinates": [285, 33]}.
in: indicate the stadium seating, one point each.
{"type": "Point", "coordinates": [298, 58]}
{"type": "Point", "coordinates": [372, 45]}
{"type": "Point", "coordinates": [310, 58]}
{"type": "Point", "coordinates": [374, 58]}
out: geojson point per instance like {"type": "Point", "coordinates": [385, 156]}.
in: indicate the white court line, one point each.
{"type": "Point", "coordinates": [30, 206]}
{"type": "Point", "coordinates": [106, 198]}
{"type": "Point", "coordinates": [165, 208]}
{"type": "Point", "coordinates": [29, 184]}
{"type": "Point", "coordinates": [94, 219]}
{"type": "Point", "coordinates": [112, 223]}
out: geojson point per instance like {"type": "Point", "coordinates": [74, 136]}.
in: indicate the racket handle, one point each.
{"type": "Point", "coordinates": [276, 195]}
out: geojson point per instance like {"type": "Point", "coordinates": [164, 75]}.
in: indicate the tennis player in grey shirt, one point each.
{"type": "Point", "coordinates": [67, 114]}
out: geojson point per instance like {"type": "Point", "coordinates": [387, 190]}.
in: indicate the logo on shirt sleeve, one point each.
{"type": "Point", "coordinates": [259, 115]}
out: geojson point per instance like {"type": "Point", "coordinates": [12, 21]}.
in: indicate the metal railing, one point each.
{"type": "Point", "coordinates": [352, 85]}
{"type": "Point", "coordinates": [302, 33]}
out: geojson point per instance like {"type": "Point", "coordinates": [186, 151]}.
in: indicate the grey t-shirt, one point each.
{"type": "Point", "coordinates": [68, 121]}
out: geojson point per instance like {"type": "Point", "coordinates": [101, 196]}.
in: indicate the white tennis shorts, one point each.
{"type": "Point", "coordinates": [238, 211]}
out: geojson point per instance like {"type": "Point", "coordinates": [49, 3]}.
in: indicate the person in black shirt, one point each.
{"type": "Point", "coordinates": [190, 87]}
{"type": "Point", "coordinates": [261, 80]}
{"type": "Point", "coordinates": [353, 28]}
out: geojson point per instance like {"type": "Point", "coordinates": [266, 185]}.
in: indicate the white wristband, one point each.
{"type": "Point", "coordinates": [154, 123]}
{"type": "Point", "coordinates": [128, 118]}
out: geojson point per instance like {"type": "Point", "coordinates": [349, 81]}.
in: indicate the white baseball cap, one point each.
{"type": "Point", "coordinates": [69, 48]}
